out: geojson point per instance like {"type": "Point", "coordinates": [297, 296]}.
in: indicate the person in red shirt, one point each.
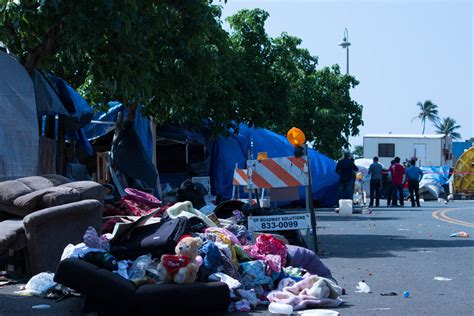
{"type": "Point", "coordinates": [397, 175]}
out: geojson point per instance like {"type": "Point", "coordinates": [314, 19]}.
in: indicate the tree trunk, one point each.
{"type": "Point", "coordinates": [36, 54]}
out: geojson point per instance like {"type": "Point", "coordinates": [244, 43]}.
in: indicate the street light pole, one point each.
{"type": "Point", "coordinates": [345, 44]}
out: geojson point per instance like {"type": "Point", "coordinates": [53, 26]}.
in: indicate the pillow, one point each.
{"type": "Point", "coordinates": [45, 198]}
{"type": "Point", "coordinates": [12, 189]}
{"type": "Point", "coordinates": [87, 189]}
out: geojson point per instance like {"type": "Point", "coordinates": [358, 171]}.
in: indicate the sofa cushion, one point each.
{"type": "Point", "coordinates": [108, 288]}
{"type": "Point", "coordinates": [12, 189]}
{"type": "Point", "coordinates": [45, 198]}
{"type": "Point", "coordinates": [87, 189]}
{"type": "Point", "coordinates": [201, 298]}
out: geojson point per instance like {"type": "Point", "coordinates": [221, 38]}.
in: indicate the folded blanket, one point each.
{"type": "Point", "coordinates": [313, 291]}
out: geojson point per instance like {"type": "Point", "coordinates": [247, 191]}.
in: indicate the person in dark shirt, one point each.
{"type": "Point", "coordinates": [414, 175]}
{"type": "Point", "coordinates": [375, 172]}
{"type": "Point", "coordinates": [346, 169]}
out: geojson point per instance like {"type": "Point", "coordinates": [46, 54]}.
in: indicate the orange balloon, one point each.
{"type": "Point", "coordinates": [296, 137]}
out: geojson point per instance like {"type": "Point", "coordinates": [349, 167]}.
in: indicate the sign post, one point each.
{"type": "Point", "coordinates": [310, 205]}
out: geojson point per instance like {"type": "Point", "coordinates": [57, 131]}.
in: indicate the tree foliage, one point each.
{"type": "Point", "coordinates": [448, 127]}
{"type": "Point", "coordinates": [175, 58]}
{"type": "Point", "coordinates": [428, 111]}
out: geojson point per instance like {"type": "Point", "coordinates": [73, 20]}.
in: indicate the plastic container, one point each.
{"type": "Point", "coordinates": [279, 308]}
{"type": "Point", "coordinates": [345, 207]}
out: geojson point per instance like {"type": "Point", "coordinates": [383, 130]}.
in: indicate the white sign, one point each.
{"type": "Point", "coordinates": [279, 222]}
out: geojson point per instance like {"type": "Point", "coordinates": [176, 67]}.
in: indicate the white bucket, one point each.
{"type": "Point", "coordinates": [345, 207]}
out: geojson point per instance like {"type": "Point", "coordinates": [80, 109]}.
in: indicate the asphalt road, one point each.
{"type": "Point", "coordinates": [392, 249]}
{"type": "Point", "coordinates": [403, 249]}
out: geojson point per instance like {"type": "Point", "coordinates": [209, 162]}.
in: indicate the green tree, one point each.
{"type": "Point", "coordinates": [175, 59]}
{"type": "Point", "coordinates": [281, 86]}
{"type": "Point", "coordinates": [172, 57]}
{"type": "Point", "coordinates": [428, 111]}
{"type": "Point", "coordinates": [447, 127]}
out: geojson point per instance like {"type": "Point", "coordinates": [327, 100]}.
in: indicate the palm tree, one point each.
{"type": "Point", "coordinates": [448, 126]}
{"type": "Point", "coordinates": [428, 111]}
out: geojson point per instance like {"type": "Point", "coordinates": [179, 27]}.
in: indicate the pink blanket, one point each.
{"type": "Point", "coordinates": [313, 291]}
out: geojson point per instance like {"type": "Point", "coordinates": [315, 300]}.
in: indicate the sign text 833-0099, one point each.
{"type": "Point", "coordinates": [279, 222]}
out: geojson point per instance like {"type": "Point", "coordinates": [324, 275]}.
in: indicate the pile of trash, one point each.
{"type": "Point", "coordinates": [184, 245]}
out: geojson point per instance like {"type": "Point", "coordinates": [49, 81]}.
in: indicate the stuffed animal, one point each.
{"type": "Point", "coordinates": [181, 268]}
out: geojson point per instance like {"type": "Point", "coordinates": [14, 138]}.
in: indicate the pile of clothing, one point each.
{"type": "Point", "coordinates": [257, 273]}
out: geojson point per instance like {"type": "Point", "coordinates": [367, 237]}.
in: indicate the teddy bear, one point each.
{"type": "Point", "coordinates": [182, 267]}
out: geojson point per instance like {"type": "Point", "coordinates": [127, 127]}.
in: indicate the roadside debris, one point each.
{"type": "Point", "coordinates": [38, 284]}
{"type": "Point", "coordinates": [459, 234]}
{"type": "Point", "coordinates": [41, 306]}
{"type": "Point", "coordinates": [441, 279]}
{"type": "Point", "coordinates": [406, 294]}
{"type": "Point", "coordinates": [362, 287]}
{"type": "Point", "coordinates": [389, 294]}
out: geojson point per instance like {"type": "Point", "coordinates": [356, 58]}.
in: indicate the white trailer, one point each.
{"type": "Point", "coordinates": [430, 150]}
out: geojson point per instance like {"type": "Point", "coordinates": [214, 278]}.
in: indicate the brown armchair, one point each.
{"type": "Point", "coordinates": [39, 216]}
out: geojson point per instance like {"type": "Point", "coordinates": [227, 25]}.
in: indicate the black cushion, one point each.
{"type": "Point", "coordinates": [108, 293]}
{"type": "Point", "coordinates": [171, 298]}
{"type": "Point", "coordinates": [99, 284]}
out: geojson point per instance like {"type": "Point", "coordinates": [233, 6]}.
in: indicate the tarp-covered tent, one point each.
{"type": "Point", "coordinates": [18, 121]}
{"type": "Point", "coordinates": [141, 125]}
{"type": "Point", "coordinates": [227, 151]}
{"type": "Point", "coordinates": [434, 178]}
{"type": "Point", "coordinates": [132, 146]}
{"type": "Point", "coordinates": [181, 153]}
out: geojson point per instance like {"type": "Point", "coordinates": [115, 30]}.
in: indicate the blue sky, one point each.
{"type": "Point", "coordinates": [402, 52]}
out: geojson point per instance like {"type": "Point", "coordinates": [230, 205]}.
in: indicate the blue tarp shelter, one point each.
{"type": "Point", "coordinates": [141, 125]}
{"type": "Point", "coordinates": [227, 151]}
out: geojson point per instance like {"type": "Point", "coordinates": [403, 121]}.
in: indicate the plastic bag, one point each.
{"type": "Point", "coordinates": [362, 287]}
{"type": "Point", "coordinates": [39, 284]}
{"type": "Point", "coordinates": [138, 269]}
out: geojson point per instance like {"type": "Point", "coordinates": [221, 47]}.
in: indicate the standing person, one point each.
{"type": "Point", "coordinates": [414, 175]}
{"type": "Point", "coordinates": [346, 170]}
{"type": "Point", "coordinates": [375, 171]}
{"type": "Point", "coordinates": [397, 174]}
{"type": "Point", "coordinates": [389, 185]}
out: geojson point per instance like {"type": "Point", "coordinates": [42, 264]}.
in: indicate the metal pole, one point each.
{"type": "Point", "coordinates": [309, 203]}
{"type": "Point", "coordinates": [347, 68]}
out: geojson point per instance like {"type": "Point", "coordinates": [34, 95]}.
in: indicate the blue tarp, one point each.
{"type": "Point", "coordinates": [141, 125]}
{"type": "Point", "coordinates": [438, 174]}
{"type": "Point", "coordinates": [227, 151]}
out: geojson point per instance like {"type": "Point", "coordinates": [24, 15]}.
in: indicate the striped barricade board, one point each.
{"type": "Point", "coordinates": [240, 177]}
{"type": "Point", "coordinates": [281, 172]}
